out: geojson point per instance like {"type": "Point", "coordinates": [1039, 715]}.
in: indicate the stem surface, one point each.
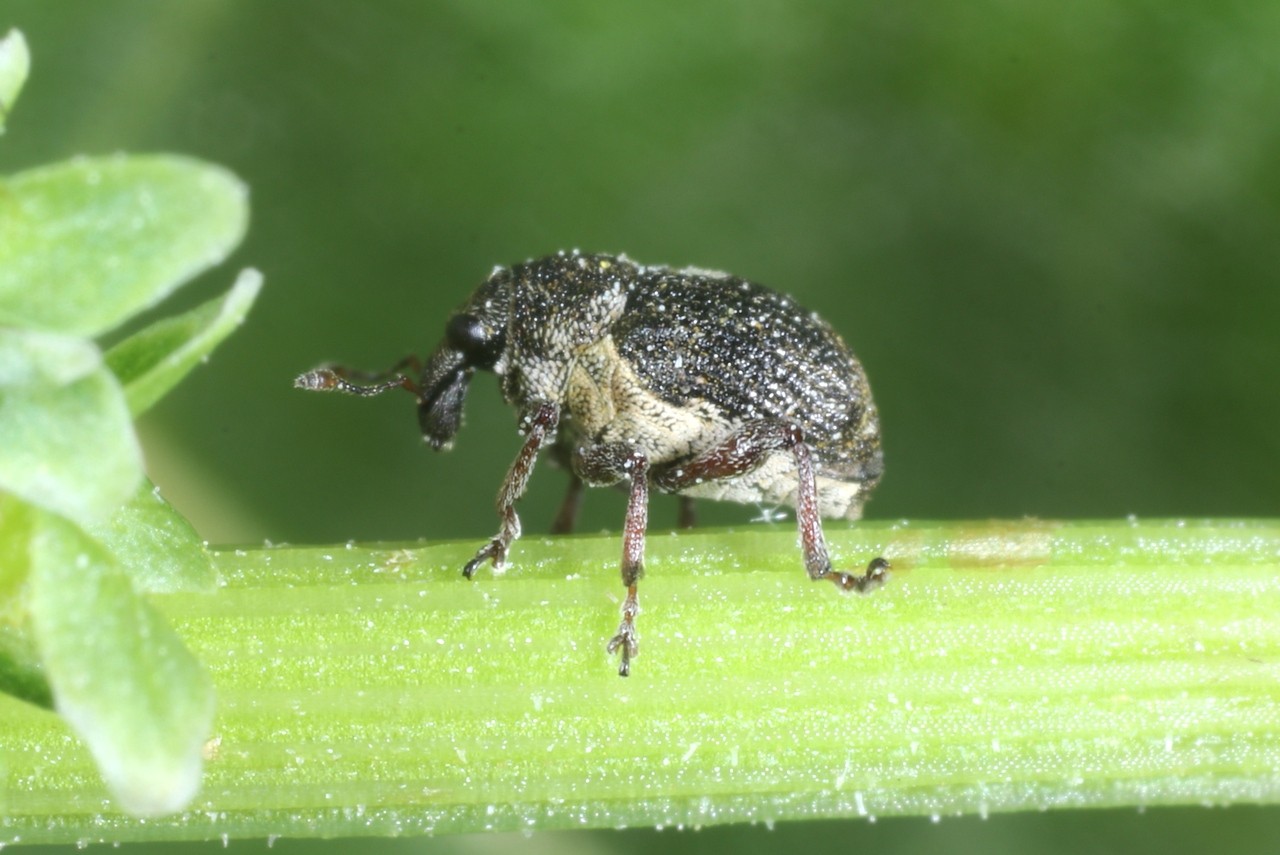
{"type": "Point", "coordinates": [1005, 666]}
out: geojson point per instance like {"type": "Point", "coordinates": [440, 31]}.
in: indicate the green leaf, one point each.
{"type": "Point", "coordinates": [121, 677]}
{"type": "Point", "coordinates": [15, 534]}
{"type": "Point", "coordinates": [15, 62]}
{"type": "Point", "coordinates": [88, 243]}
{"type": "Point", "coordinates": [156, 545]}
{"type": "Point", "coordinates": [21, 675]}
{"type": "Point", "coordinates": [151, 362]}
{"type": "Point", "coordinates": [68, 449]}
{"type": "Point", "coordinates": [29, 357]}
{"type": "Point", "coordinates": [20, 671]}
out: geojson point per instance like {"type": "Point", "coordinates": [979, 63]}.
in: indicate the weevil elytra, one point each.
{"type": "Point", "coordinates": [686, 381]}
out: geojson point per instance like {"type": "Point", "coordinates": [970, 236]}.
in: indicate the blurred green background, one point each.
{"type": "Point", "coordinates": [1051, 233]}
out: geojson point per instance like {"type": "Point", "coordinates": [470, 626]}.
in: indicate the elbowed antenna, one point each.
{"type": "Point", "coordinates": [338, 378]}
{"type": "Point", "coordinates": [445, 379]}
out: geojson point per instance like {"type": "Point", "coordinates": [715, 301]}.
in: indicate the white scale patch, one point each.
{"type": "Point", "coordinates": [609, 403]}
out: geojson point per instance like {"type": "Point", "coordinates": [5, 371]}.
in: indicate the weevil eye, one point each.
{"type": "Point", "coordinates": [464, 333]}
{"type": "Point", "coordinates": [467, 335]}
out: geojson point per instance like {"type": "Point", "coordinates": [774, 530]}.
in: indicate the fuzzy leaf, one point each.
{"type": "Point", "coordinates": [20, 671]}
{"type": "Point", "coordinates": [15, 534]}
{"type": "Point", "coordinates": [15, 62]}
{"type": "Point", "coordinates": [155, 545]}
{"type": "Point", "coordinates": [152, 361]}
{"type": "Point", "coordinates": [69, 449]}
{"type": "Point", "coordinates": [29, 357]}
{"type": "Point", "coordinates": [87, 243]}
{"type": "Point", "coordinates": [121, 677]}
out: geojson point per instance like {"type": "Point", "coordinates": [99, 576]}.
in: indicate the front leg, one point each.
{"type": "Point", "coordinates": [601, 465]}
{"type": "Point", "coordinates": [742, 452]}
{"type": "Point", "coordinates": [538, 423]}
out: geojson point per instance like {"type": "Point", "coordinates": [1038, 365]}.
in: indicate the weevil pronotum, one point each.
{"type": "Point", "coordinates": [688, 381]}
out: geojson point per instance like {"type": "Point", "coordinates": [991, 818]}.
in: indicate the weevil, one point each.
{"type": "Point", "coordinates": [686, 381]}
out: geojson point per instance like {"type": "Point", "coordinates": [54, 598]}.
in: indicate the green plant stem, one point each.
{"type": "Point", "coordinates": [1006, 666]}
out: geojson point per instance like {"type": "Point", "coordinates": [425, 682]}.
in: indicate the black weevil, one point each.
{"type": "Point", "coordinates": [691, 381]}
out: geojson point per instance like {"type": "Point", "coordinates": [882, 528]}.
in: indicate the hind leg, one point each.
{"type": "Point", "coordinates": [744, 451]}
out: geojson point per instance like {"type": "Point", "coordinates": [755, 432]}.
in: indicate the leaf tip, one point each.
{"type": "Point", "coordinates": [151, 766]}
{"type": "Point", "coordinates": [156, 789]}
{"type": "Point", "coordinates": [245, 289]}
{"type": "Point", "coordinates": [15, 63]}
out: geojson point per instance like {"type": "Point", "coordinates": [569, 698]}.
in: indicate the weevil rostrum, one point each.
{"type": "Point", "coordinates": [686, 381]}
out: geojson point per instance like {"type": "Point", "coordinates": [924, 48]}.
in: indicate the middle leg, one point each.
{"type": "Point", "coordinates": [601, 465]}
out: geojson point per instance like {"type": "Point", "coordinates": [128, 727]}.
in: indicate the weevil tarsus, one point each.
{"type": "Point", "coordinates": [876, 574]}
{"type": "Point", "coordinates": [627, 641]}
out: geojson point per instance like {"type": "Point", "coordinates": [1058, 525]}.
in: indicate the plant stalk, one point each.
{"type": "Point", "coordinates": [1023, 665]}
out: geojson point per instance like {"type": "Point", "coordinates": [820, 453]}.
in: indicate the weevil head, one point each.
{"type": "Point", "coordinates": [475, 337]}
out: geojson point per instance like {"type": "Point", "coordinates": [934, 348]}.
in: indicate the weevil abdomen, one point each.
{"type": "Point", "coordinates": [696, 354]}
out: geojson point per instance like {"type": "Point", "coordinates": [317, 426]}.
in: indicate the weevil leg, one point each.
{"type": "Point", "coordinates": [567, 516]}
{"type": "Point", "coordinates": [537, 423]}
{"type": "Point", "coordinates": [746, 449]}
{"type": "Point", "coordinates": [561, 455]}
{"type": "Point", "coordinates": [608, 463]}
{"type": "Point", "coordinates": [816, 560]}
{"type": "Point", "coordinates": [687, 516]}
{"type": "Point", "coordinates": [627, 641]}
{"type": "Point", "coordinates": [352, 381]}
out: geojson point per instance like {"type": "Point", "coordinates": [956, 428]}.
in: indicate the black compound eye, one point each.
{"type": "Point", "coordinates": [465, 334]}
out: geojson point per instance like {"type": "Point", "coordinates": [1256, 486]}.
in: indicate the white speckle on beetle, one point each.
{"type": "Point", "coordinates": [698, 382]}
